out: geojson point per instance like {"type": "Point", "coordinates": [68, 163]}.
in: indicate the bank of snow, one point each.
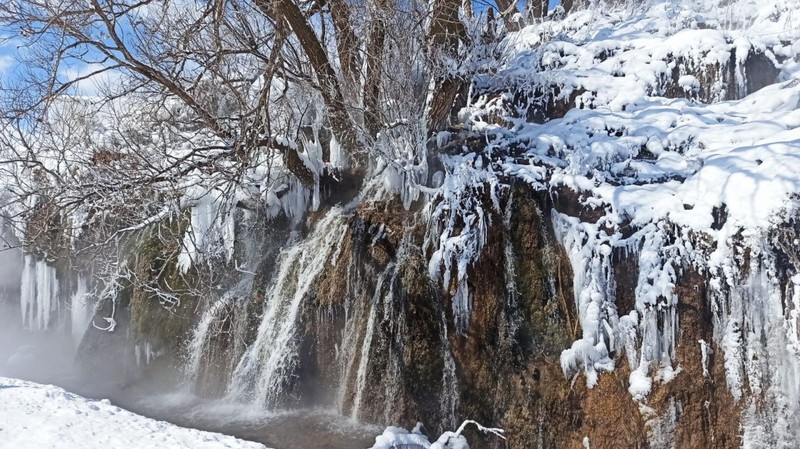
{"type": "Point", "coordinates": [35, 416]}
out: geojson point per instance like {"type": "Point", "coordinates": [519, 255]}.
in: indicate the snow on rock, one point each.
{"type": "Point", "coordinates": [35, 416]}
{"type": "Point", "coordinates": [398, 438]}
{"type": "Point", "coordinates": [394, 437]}
{"type": "Point", "coordinates": [680, 162]}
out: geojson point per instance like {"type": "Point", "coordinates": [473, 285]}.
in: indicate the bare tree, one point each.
{"type": "Point", "coordinates": [127, 112]}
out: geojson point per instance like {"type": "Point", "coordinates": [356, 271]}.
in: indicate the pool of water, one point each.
{"type": "Point", "coordinates": [288, 429]}
{"type": "Point", "coordinates": [49, 359]}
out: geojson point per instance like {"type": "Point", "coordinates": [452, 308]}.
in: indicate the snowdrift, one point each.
{"type": "Point", "coordinates": [36, 416]}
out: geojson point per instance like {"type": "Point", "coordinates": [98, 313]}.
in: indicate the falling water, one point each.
{"type": "Point", "coordinates": [379, 299]}
{"type": "Point", "coordinates": [264, 368]}
{"type": "Point", "coordinates": [201, 334]}
{"type": "Point", "coordinates": [219, 308]}
{"type": "Point", "coordinates": [346, 352]}
{"type": "Point", "coordinates": [449, 399]}
{"type": "Point", "coordinates": [81, 310]}
{"type": "Point", "coordinates": [363, 364]}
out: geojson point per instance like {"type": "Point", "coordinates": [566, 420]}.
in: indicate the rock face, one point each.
{"type": "Point", "coordinates": [375, 338]}
{"type": "Point", "coordinates": [464, 305]}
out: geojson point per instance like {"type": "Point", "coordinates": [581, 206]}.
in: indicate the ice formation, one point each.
{"type": "Point", "coordinates": [81, 309]}
{"type": "Point", "coordinates": [679, 178]}
{"type": "Point", "coordinates": [458, 227]}
{"type": "Point", "coordinates": [39, 293]}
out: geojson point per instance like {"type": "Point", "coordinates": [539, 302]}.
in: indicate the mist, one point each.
{"type": "Point", "coordinates": [45, 357]}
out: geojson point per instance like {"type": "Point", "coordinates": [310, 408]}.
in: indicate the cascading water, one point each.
{"type": "Point", "coordinates": [363, 363]}
{"type": "Point", "coordinates": [202, 333]}
{"type": "Point", "coordinates": [362, 310]}
{"type": "Point", "coordinates": [265, 368]}
{"type": "Point", "coordinates": [347, 351]}
{"type": "Point", "coordinates": [81, 310]}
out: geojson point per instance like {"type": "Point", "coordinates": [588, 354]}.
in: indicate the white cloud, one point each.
{"type": "Point", "coordinates": [96, 80]}
{"type": "Point", "coordinates": [6, 62]}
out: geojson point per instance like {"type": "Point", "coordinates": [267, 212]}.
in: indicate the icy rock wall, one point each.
{"type": "Point", "coordinates": [600, 301]}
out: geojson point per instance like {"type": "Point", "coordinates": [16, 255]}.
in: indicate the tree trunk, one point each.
{"type": "Point", "coordinates": [346, 44]}
{"type": "Point", "coordinates": [372, 87]}
{"type": "Point", "coordinates": [340, 121]}
{"type": "Point", "coordinates": [444, 35]}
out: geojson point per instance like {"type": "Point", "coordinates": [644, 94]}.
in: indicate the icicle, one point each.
{"type": "Point", "coordinates": [28, 290]}
{"type": "Point", "coordinates": [458, 226]}
{"type": "Point", "coordinates": [705, 352]}
{"type": "Point", "coordinates": [44, 290]}
{"type": "Point", "coordinates": [212, 229]}
{"type": "Point", "coordinates": [38, 293]}
{"type": "Point", "coordinates": [338, 156]}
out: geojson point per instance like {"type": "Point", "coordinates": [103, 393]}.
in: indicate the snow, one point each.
{"type": "Point", "coordinates": [693, 181]}
{"type": "Point", "coordinates": [35, 416]}
{"type": "Point", "coordinates": [396, 437]}
{"type": "Point", "coordinates": [640, 383]}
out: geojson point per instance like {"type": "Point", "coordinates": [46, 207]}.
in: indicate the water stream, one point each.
{"type": "Point", "coordinates": [261, 374]}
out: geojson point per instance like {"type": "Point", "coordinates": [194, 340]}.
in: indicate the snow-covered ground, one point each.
{"type": "Point", "coordinates": [35, 416]}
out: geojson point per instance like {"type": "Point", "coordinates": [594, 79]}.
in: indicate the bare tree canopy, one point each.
{"type": "Point", "coordinates": [156, 104]}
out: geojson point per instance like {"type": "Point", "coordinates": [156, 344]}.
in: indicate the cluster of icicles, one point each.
{"type": "Point", "coordinates": [41, 304]}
